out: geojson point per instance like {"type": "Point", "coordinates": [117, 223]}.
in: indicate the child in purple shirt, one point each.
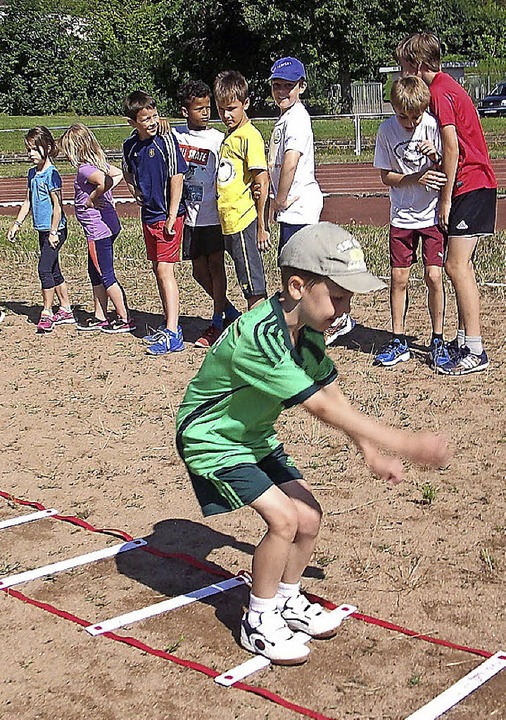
{"type": "Point", "coordinates": [94, 209]}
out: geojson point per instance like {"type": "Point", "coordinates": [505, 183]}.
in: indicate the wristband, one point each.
{"type": "Point", "coordinates": [53, 232]}
{"type": "Point", "coordinates": [16, 222]}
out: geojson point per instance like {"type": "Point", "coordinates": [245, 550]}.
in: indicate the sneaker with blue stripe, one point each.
{"type": "Point", "coordinates": [439, 354]}
{"type": "Point", "coordinates": [392, 353]}
{"type": "Point", "coordinates": [465, 363]}
{"type": "Point", "coordinates": [167, 342]}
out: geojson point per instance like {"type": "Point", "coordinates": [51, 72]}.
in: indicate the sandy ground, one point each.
{"type": "Point", "coordinates": [88, 428]}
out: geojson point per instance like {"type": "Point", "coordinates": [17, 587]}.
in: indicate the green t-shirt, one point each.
{"type": "Point", "coordinates": [248, 377]}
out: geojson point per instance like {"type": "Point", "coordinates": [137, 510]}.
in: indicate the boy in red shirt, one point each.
{"type": "Point", "coordinates": [468, 200]}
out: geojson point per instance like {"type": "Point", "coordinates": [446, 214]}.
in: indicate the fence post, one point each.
{"type": "Point", "coordinates": [358, 139]}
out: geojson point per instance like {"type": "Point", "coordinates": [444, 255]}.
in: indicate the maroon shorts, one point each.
{"type": "Point", "coordinates": [160, 246]}
{"type": "Point", "coordinates": [404, 244]}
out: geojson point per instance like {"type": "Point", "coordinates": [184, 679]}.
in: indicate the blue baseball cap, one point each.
{"type": "Point", "coordinates": [288, 68]}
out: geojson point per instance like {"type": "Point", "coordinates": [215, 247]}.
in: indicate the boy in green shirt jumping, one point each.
{"type": "Point", "coordinates": [272, 358]}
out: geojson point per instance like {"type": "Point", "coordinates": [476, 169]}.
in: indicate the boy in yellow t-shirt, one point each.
{"type": "Point", "coordinates": [242, 164]}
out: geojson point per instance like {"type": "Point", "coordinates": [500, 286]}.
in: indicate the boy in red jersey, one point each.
{"type": "Point", "coordinates": [468, 200]}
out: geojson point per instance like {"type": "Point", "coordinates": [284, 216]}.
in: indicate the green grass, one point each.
{"type": "Point", "coordinates": [130, 250]}
{"type": "Point", "coordinates": [334, 138]}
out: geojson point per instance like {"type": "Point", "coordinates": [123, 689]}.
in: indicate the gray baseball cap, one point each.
{"type": "Point", "coordinates": [331, 251]}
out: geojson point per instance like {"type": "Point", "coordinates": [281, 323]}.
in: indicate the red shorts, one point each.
{"type": "Point", "coordinates": [160, 246]}
{"type": "Point", "coordinates": [404, 244]}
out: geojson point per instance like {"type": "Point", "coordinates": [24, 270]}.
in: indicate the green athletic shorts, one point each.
{"type": "Point", "coordinates": [232, 488]}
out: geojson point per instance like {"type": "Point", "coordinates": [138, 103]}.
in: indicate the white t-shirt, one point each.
{"type": "Point", "coordinates": [411, 206]}
{"type": "Point", "coordinates": [200, 149]}
{"type": "Point", "coordinates": [293, 131]}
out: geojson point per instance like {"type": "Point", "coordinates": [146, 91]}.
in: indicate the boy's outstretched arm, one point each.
{"type": "Point", "coordinates": [449, 165]}
{"type": "Point", "coordinates": [424, 448]}
{"type": "Point", "coordinates": [287, 174]}
{"type": "Point", "coordinates": [261, 179]}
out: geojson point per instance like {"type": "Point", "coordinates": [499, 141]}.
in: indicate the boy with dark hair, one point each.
{"type": "Point", "coordinates": [407, 151]}
{"type": "Point", "coordinates": [242, 165]}
{"type": "Point", "coordinates": [468, 200]}
{"type": "Point", "coordinates": [202, 236]}
{"type": "Point", "coordinates": [270, 359]}
{"type": "Point", "coordinates": [153, 168]}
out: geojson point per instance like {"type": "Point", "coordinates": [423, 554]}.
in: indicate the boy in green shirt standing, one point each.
{"type": "Point", "coordinates": [270, 359]}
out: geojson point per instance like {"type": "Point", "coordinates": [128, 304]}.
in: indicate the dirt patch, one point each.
{"type": "Point", "coordinates": [88, 428]}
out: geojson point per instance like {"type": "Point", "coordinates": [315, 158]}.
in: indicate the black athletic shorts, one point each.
{"type": "Point", "coordinates": [202, 241]}
{"type": "Point", "coordinates": [473, 213]}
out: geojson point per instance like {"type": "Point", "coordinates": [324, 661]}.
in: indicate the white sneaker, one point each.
{"type": "Point", "coordinates": [310, 618]}
{"type": "Point", "coordinates": [273, 639]}
{"type": "Point", "coordinates": [341, 326]}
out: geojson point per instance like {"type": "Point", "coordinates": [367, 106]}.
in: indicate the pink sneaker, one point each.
{"type": "Point", "coordinates": [63, 317]}
{"type": "Point", "coordinates": [45, 324]}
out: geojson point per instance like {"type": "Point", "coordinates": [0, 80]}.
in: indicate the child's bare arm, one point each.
{"type": "Point", "coordinates": [114, 176]}
{"type": "Point", "coordinates": [134, 192]}
{"type": "Point", "coordinates": [261, 178]}
{"type": "Point", "coordinates": [176, 191]}
{"type": "Point", "coordinates": [23, 213]}
{"type": "Point", "coordinates": [56, 199]}
{"type": "Point", "coordinates": [432, 179]}
{"type": "Point", "coordinates": [449, 165]}
{"type": "Point", "coordinates": [98, 178]}
{"type": "Point", "coordinates": [288, 169]}
{"type": "Point", "coordinates": [425, 448]}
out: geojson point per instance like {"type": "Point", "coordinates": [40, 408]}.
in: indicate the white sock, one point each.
{"type": "Point", "coordinates": [474, 344]}
{"type": "Point", "coordinates": [285, 591]}
{"type": "Point", "coordinates": [257, 606]}
{"type": "Point", "coordinates": [461, 338]}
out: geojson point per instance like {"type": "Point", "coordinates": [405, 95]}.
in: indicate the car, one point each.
{"type": "Point", "coordinates": [495, 103]}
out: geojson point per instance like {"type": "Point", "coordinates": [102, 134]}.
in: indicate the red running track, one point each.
{"type": "Point", "coordinates": [355, 194]}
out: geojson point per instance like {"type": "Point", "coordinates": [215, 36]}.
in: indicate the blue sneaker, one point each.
{"type": "Point", "coordinates": [154, 336]}
{"type": "Point", "coordinates": [465, 363]}
{"type": "Point", "coordinates": [167, 342]}
{"type": "Point", "coordinates": [439, 354]}
{"type": "Point", "coordinates": [394, 352]}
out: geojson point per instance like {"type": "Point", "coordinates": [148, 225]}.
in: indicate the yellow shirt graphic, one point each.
{"type": "Point", "coordinates": [242, 151]}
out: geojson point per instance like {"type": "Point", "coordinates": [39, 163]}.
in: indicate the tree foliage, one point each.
{"type": "Point", "coordinates": [86, 55]}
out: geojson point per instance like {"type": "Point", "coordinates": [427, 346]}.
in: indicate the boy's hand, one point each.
{"type": "Point", "coordinates": [163, 126]}
{"type": "Point", "coordinates": [280, 206]}
{"type": "Point", "coordinates": [263, 240]}
{"type": "Point", "coordinates": [444, 214]}
{"type": "Point", "coordinates": [433, 180]}
{"type": "Point", "coordinates": [386, 468]}
{"type": "Point", "coordinates": [169, 225]}
{"type": "Point", "coordinates": [426, 448]}
{"type": "Point", "coordinates": [426, 147]}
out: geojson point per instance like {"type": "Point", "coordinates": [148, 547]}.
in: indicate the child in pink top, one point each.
{"type": "Point", "coordinates": [94, 209]}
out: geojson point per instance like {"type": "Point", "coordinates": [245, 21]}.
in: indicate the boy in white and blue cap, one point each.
{"type": "Point", "coordinates": [296, 198]}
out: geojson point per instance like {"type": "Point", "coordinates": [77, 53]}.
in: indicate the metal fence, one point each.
{"type": "Point", "coordinates": [367, 97]}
